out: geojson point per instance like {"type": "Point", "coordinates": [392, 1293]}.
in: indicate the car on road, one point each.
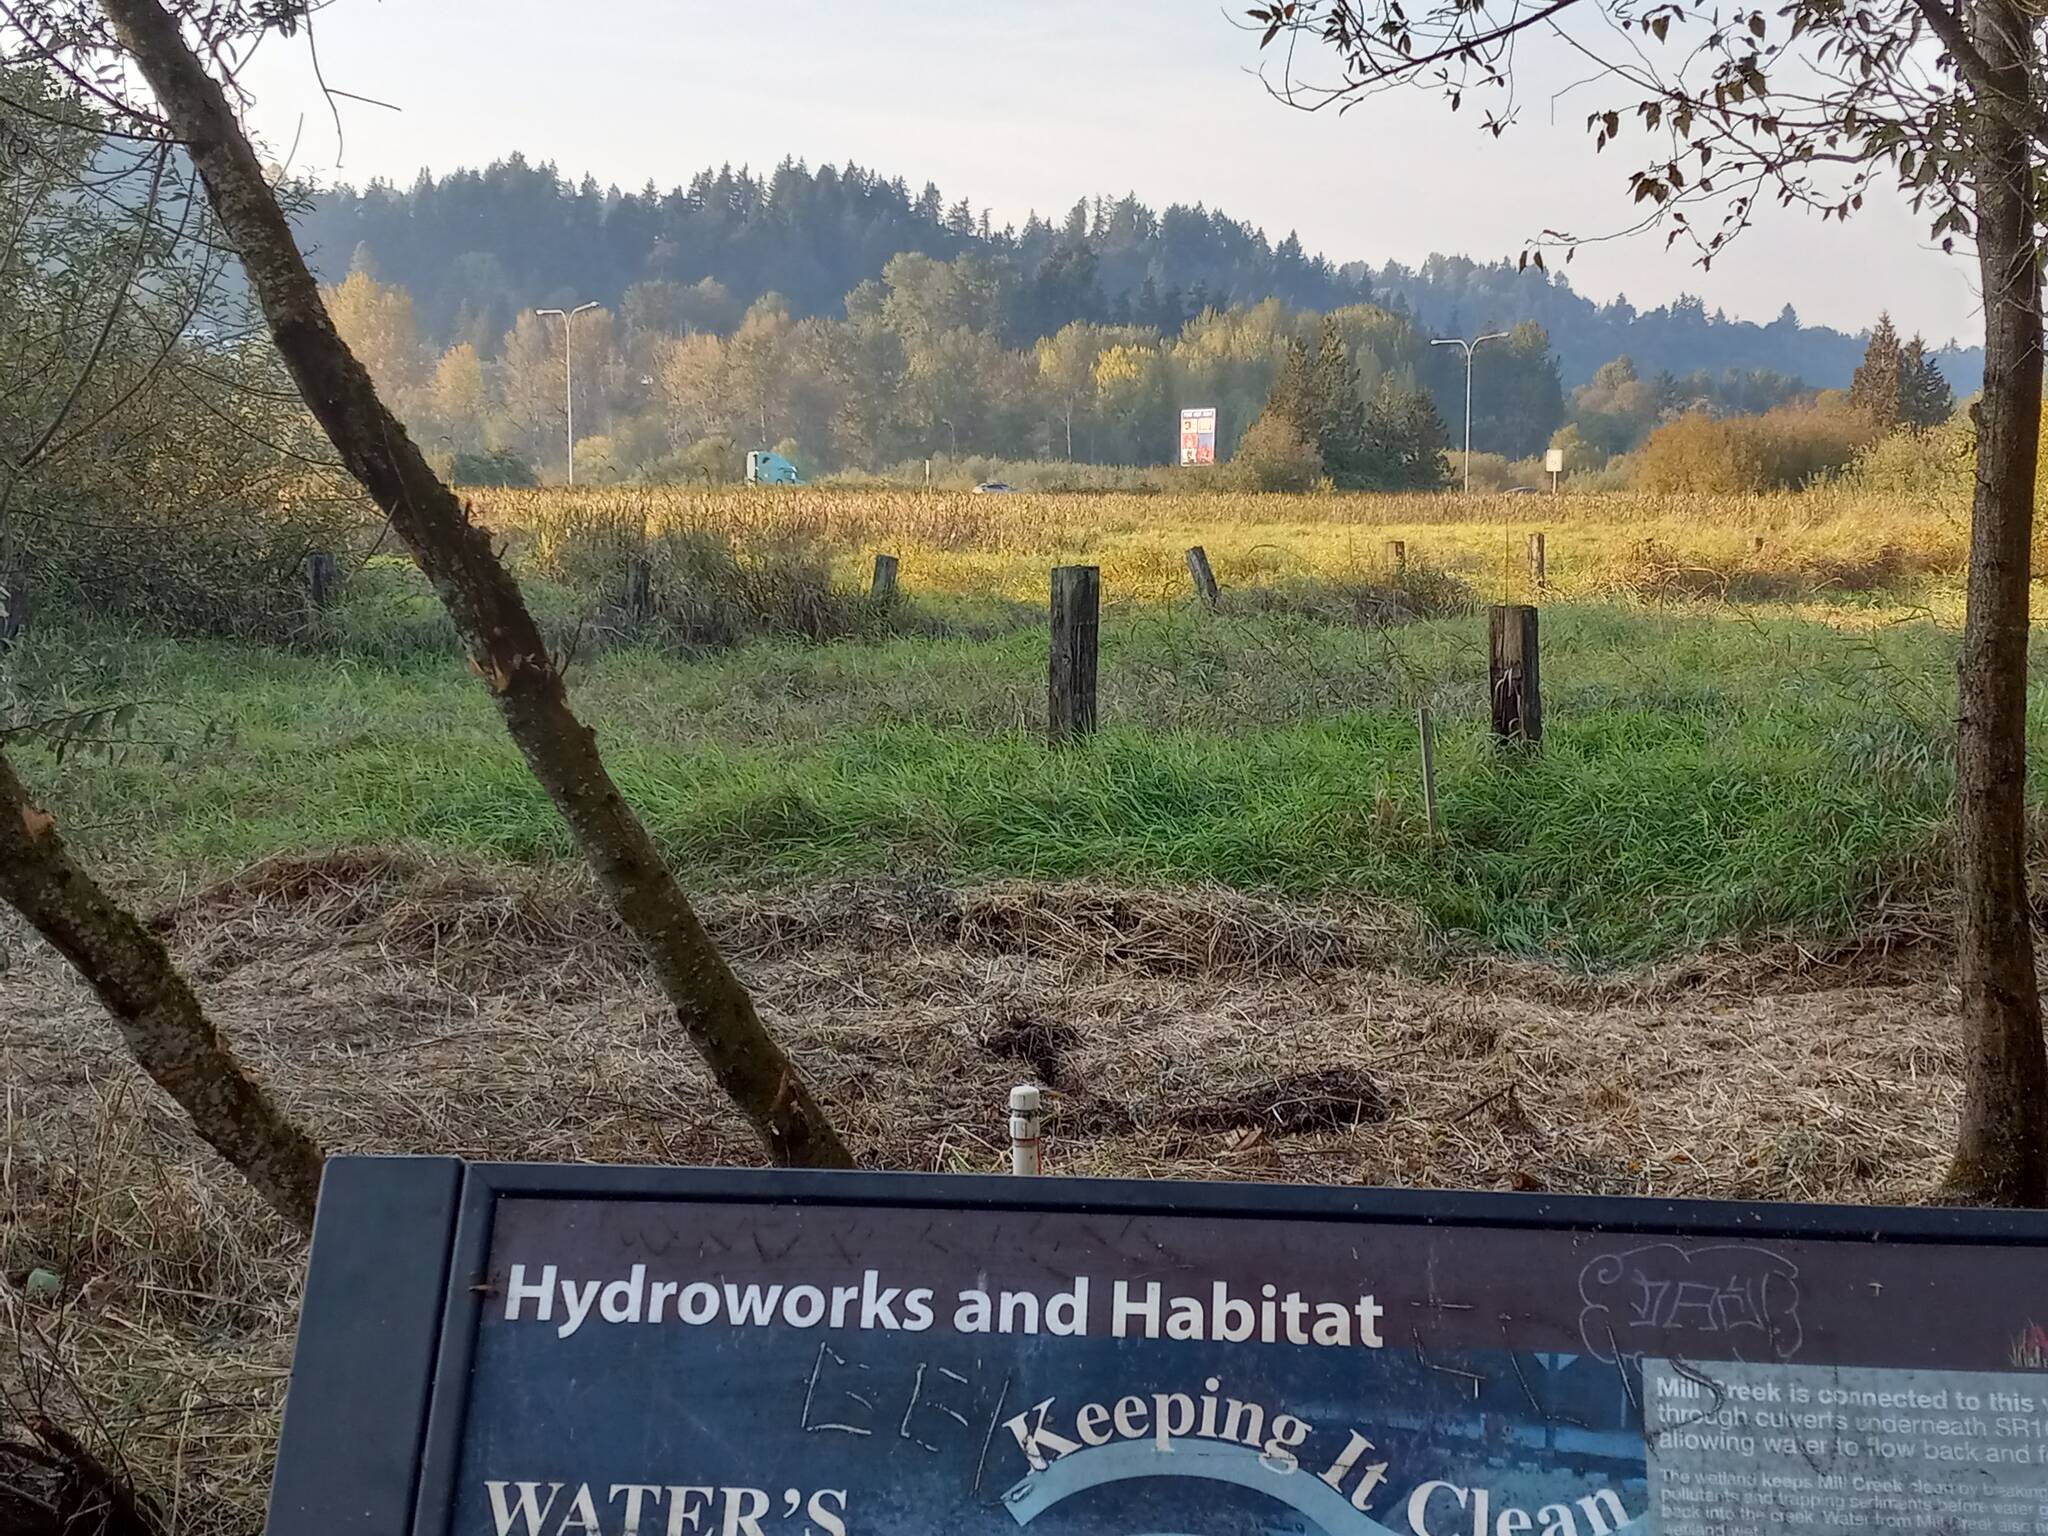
{"type": "Point", "coordinates": [992, 488]}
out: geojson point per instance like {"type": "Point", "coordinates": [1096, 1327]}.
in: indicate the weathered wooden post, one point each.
{"type": "Point", "coordinates": [1076, 618]}
{"type": "Point", "coordinates": [639, 589]}
{"type": "Point", "coordinates": [1511, 666]}
{"type": "Point", "coordinates": [1397, 556]}
{"type": "Point", "coordinates": [14, 607]}
{"type": "Point", "coordinates": [1537, 576]}
{"type": "Point", "coordinates": [883, 588]}
{"type": "Point", "coordinates": [323, 579]}
{"type": "Point", "coordinates": [1203, 578]}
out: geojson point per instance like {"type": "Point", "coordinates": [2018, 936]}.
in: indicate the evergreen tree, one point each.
{"type": "Point", "coordinates": [1294, 395]}
{"type": "Point", "coordinates": [1396, 444]}
{"type": "Point", "coordinates": [1876, 389]}
{"type": "Point", "coordinates": [1063, 290]}
{"type": "Point", "coordinates": [1925, 399]}
{"type": "Point", "coordinates": [1407, 440]}
{"type": "Point", "coordinates": [1145, 309]}
{"type": "Point", "coordinates": [1340, 423]}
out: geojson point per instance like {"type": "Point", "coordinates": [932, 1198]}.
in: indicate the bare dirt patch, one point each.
{"type": "Point", "coordinates": [400, 1005]}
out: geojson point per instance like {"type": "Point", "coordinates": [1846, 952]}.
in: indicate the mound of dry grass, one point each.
{"type": "Point", "coordinates": [1419, 592]}
{"type": "Point", "coordinates": [398, 1005]}
{"type": "Point", "coordinates": [1653, 568]}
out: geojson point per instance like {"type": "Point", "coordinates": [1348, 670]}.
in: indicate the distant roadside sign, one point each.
{"type": "Point", "coordinates": [1553, 461]}
{"type": "Point", "coordinates": [576, 1351]}
{"type": "Point", "coordinates": [1198, 435]}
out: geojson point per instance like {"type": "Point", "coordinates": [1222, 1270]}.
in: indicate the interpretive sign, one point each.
{"type": "Point", "coordinates": [544, 1351]}
{"type": "Point", "coordinates": [1198, 435]}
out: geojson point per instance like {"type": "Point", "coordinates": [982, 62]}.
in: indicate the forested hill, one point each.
{"type": "Point", "coordinates": [475, 247]}
{"type": "Point", "coordinates": [1453, 295]}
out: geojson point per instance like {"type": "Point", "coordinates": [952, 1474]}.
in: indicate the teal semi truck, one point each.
{"type": "Point", "coordinates": [771, 469]}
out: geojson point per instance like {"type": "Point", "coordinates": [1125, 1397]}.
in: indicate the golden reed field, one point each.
{"type": "Point", "coordinates": [1781, 546]}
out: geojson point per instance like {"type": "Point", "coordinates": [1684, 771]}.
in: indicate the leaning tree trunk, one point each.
{"type": "Point", "coordinates": [166, 1029]}
{"type": "Point", "coordinates": [505, 644]}
{"type": "Point", "coordinates": [2002, 1154]}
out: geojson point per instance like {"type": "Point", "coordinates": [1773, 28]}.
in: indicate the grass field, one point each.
{"type": "Point", "coordinates": [1669, 954]}
{"type": "Point", "coordinates": [1742, 740]}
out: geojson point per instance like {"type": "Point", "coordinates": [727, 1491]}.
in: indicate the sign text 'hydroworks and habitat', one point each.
{"type": "Point", "coordinates": [534, 1351]}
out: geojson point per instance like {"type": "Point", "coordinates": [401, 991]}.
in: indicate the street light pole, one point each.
{"type": "Point", "coordinates": [1470, 347]}
{"type": "Point", "coordinates": [569, 372]}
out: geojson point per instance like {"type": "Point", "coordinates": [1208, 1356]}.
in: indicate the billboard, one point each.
{"type": "Point", "coordinates": [1198, 435]}
{"type": "Point", "coordinates": [656, 1352]}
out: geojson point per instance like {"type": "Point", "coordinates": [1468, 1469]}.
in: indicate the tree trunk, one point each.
{"type": "Point", "coordinates": [505, 644]}
{"type": "Point", "coordinates": [2002, 1153]}
{"type": "Point", "coordinates": [160, 1018]}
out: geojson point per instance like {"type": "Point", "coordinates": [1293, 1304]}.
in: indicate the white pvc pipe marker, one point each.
{"type": "Point", "coordinates": [1026, 1145]}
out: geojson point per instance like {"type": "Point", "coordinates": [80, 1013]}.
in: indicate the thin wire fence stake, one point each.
{"type": "Point", "coordinates": [1027, 1147]}
{"type": "Point", "coordinates": [1428, 729]}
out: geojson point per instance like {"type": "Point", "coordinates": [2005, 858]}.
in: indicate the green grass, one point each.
{"type": "Point", "coordinates": [1707, 772]}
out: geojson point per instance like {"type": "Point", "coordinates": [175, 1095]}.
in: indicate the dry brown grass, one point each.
{"type": "Point", "coordinates": [956, 520]}
{"type": "Point", "coordinates": [399, 1005]}
{"type": "Point", "coordinates": [1774, 547]}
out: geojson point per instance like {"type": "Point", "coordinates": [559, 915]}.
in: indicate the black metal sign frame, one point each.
{"type": "Point", "coordinates": [397, 1283]}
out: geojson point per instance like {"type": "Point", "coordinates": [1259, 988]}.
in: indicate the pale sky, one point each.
{"type": "Point", "coordinates": [1031, 104]}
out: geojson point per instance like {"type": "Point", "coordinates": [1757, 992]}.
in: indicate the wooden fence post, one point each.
{"type": "Point", "coordinates": [323, 579]}
{"type": "Point", "coordinates": [1511, 666]}
{"type": "Point", "coordinates": [1076, 617]}
{"type": "Point", "coordinates": [1203, 578]}
{"type": "Point", "coordinates": [1397, 556]}
{"type": "Point", "coordinates": [1537, 574]}
{"type": "Point", "coordinates": [14, 607]}
{"type": "Point", "coordinates": [639, 589]}
{"type": "Point", "coordinates": [883, 588]}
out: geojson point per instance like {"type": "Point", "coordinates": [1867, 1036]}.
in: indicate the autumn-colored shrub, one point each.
{"type": "Point", "coordinates": [1785, 449]}
{"type": "Point", "coordinates": [1275, 457]}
